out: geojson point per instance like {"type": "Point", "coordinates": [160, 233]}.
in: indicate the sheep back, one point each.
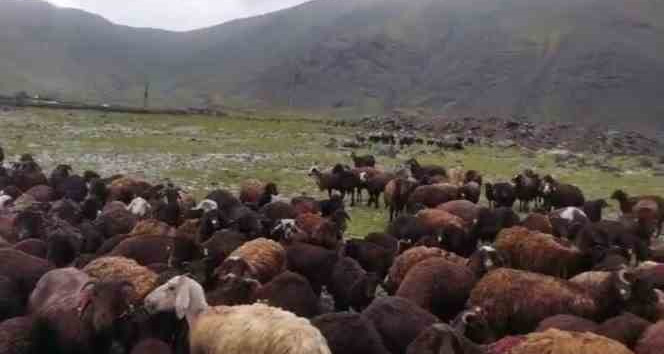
{"type": "Point", "coordinates": [559, 342]}
{"type": "Point", "coordinates": [256, 329]}
{"type": "Point", "coordinates": [405, 261]}
{"type": "Point", "coordinates": [438, 286]}
{"type": "Point", "coordinates": [123, 269]}
{"type": "Point", "coordinates": [350, 333]}
{"type": "Point", "coordinates": [516, 301]}
{"type": "Point", "coordinates": [538, 252]}
{"type": "Point", "coordinates": [265, 257]}
{"type": "Point", "coordinates": [652, 341]}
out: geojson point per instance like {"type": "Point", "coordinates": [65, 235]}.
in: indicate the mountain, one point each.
{"type": "Point", "coordinates": [574, 60]}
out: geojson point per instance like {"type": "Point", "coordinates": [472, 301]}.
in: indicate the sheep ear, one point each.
{"type": "Point", "coordinates": [182, 300]}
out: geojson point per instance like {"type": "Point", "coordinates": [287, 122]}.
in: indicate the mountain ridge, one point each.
{"type": "Point", "coordinates": [570, 60]}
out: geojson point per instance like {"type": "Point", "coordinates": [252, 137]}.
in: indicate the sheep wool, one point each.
{"type": "Point", "coordinates": [255, 329]}
{"type": "Point", "coordinates": [559, 342]}
{"type": "Point", "coordinates": [123, 269]}
{"type": "Point", "coordinates": [266, 258]}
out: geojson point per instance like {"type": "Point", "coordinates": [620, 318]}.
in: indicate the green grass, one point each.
{"type": "Point", "coordinates": [201, 153]}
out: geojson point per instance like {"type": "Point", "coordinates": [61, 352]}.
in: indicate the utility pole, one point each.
{"type": "Point", "coordinates": [146, 94]}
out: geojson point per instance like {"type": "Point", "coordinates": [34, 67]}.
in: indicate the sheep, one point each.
{"type": "Point", "coordinates": [5, 201]}
{"type": "Point", "coordinates": [438, 286]}
{"type": "Point", "coordinates": [398, 321]}
{"type": "Point", "coordinates": [501, 194]}
{"type": "Point", "coordinates": [257, 328]}
{"type": "Point", "coordinates": [72, 187]}
{"type": "Point", "coordinates": [516, 301]}
{"type": "Point", "coordinates": [276, 211]}
{"type": "Point", "coordinates": [291, 292]}
{"type": "Point", "coordinates": [326, 181]}
{"type": "Point", "coordinates": [596, 239]}
{"type": "Point", "coordinates": [313, 262]}
{"type": "Point", "coordinates": [404, 262]}
{"type": "Point", "coordinates": [11, 304]}
{"type": "Point", "coordinates": [442, 338]}
{"type": "Point", "coordinates": [593, 209]}
{"type": "Point", "coordinates": [23, 269]}
{"type": "Point", "coordinates": [15, 335]}
{"type": "Point", "coordinates": [375, 185]}
{"type": "Point", "coordinates": [619, 290]}
{"type": "Point", "coordinates": [251, 191]}
{"type": "Point", "coordinates": [363, 161]}
{"type": "Point", "coordinates": [538, 222]}
{"type": "Point", "coordinates": [145, 249]}
{"type": "Point", "coordinates": [372, 257]}
{"type": "Point", "coordinates": [80, 315]}
{"type": "Point", "coordinates": [397, 195]}
{"type": "Point", "coordinates": [119, 269]}
{"type": "Point", "coordinates": [151, 346]}
{"type": "Point", "coordinates": [526, 186]}
{"type": "Point", "coordinates": [567, 222]}
{"type": "Point", "coordinates": [33, 247]}
{"type": "Point", "coordinates": [626, 328]}
{"type": "Point", "coordinates": [388, 242]}
{"type": "Point", "coordinates": [351, 286]}
{"type": "Point", "coordinates": [420, 172]}
{"type": "Point", "coordinates": [652, 341]}
{"type": "Point", "coordinates": [471, 192]}
{"type": "Point", "coordinates": [538, 252]}
{"type": "Point", "coordinates": [304, 204]}
{"type": "Point", "coordinates": [555, 341]}
{"type": "Point", "coordinates": [139, 207]}
{"type": "Point", "coordinates": [491, 221]}
{"type": "Point", "coordinates": [627, 204]}
{"type": "Point", "coordinates": [115, 220]}
{"type": "Point", "coordinates": [454, 232]}
{"type": "Point", "coordinates": [261, 259]}
{"type": "Point", "coordinates": [169, 212]}
{"type": "Point", "coordinates": [558, 195]}
{"type": "Point", "coordinates": [349, 333]}
{"type": "Point", "coordinates": [431, 196]}
{"type": "Point", "coordinates": [569, 323]}
{"type": "Point", "coordinates": [464, 209]}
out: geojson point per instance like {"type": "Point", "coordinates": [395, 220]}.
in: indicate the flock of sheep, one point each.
{"type": "Point", "coordinates": [113, 264]}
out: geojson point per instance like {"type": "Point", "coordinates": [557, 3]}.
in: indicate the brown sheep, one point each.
{"type": "Point", "coordinates": [516, 301]}
{"type": "Point", "coordinates": [567, 323]}
{"type": "Point", "coordinates": [559, 342]}
{"type": "Point", "coordinates": [261, 259]}
{"type": "Point", "coordinates": [626, 328]}
{"type": "Point", "coordinates": [125, 189]}
{"type": "Point", "coordinates": [438, 286]}
{"type": "Point", "coordinates": [145, 250]}
{"type": "Point", "coordinates": [538, 222]}
{"type": "Point", "coordinates": [404, 262]}
{"type": "Point", "coordinates": [308, 222]}
{"type": "Point", "coordinates": [119, 269]}
{"type": "Point", "coordinates": [464, 209]}
{"type": "Point", "coordinates": [15, 335]}
{"type": "Point", "coordinates": [538, 252]}
{"type": "Point", "coordinates": [375, 185]}
{"type": "Point", "coordinates": [152, 227]}
{"type": "Point", "coordinates": [652, 341]}
{"type": "Point", "coordinates": [627, 204]}
{"type": "Point", "coordinates": [115, 219]}
{"type": "Point", "coordinates": [251, 191]}
{"type": "Point", "coordinates": [313, 262]}
{"type": "Point", "coordinates": [23, 269]}
{"type": "Point", "coordinates": [454, 232]}
{"type": "Point", "coordinates": [42, 193]}
{"type": "Point", "coordinates": [398, 321]}
{"type": "Point", "coordinates": [431, 196]}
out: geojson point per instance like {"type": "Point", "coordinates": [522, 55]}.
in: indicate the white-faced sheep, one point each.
{"type": "Point", "coordinates": [256, 329]}
{"type": "Point", "coordinates": [139, 207]}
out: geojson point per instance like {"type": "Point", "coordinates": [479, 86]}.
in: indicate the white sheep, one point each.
{"type": "Point", "coordinates": [255, 329]}
{"type": "Point", "coordinates": [139, 207]}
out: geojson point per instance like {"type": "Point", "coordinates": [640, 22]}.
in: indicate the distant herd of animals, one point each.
{"type": "Point", "coordinates": [93, 264]}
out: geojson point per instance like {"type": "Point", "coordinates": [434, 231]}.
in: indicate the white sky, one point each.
{"type": "Point", "coordinates": [177, 15]}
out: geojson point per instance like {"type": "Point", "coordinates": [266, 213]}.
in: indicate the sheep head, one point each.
{"type": "Point", "coordinates": [181, 293]}
{"type": "Point", "coordinates": [104, 303]}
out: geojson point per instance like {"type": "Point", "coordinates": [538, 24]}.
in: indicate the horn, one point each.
{"type": "Point", "coordinates": [621, 276]}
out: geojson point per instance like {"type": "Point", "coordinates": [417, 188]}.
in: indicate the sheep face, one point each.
{"type": "Point", "coordinates": [235, 267]}
{"type": "Point", "coordinates": [207, 205]}
{"type": "Point", "coordinates": [106, 303]}
{"type": "Point", "coordinates": [4, 201]}
{"type": "Point", "coordinates": [285, 229]}
{"type": "Point", "coordinates": [172, 295]}
{"type": "Point", "coordinates": [139, 207]}
{"type": "Point", "coordinates": [314, 171]}
{"type": "Point", "coordinates": [623, 284]}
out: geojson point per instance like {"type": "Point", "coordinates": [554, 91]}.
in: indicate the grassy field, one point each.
{"type": "Point", "coordinates": [203, 153]}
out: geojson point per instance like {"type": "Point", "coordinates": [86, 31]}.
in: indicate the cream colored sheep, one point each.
{"type": "Point", "coordinates": [255, 329]}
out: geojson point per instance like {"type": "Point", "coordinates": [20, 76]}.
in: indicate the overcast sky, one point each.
{"type": "Point", "coordinates": [176, 15]}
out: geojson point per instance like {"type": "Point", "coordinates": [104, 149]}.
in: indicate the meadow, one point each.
{"type": "Point", "coordinates": [201, 153]}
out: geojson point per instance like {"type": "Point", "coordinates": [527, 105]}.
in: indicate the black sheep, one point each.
{"type": "Point", "coordinates": [593, 209]}
{"type": "Point", "coordinates": [363, 161]}
{"type": "Point", "coordinates": [349, 333]}
{"type": "Point", "coordinates": [491, 221]}
{"type": "Point", "coordinates": [313, 262]}
{"type": "Point", "coordinates": [527, 187]}
{"type": "Point", "coordinates": [351, 286]}
{"type": "Point", "coordinates": [558, 195]}
{"type": "Point", "coordinates": [503, 194]}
